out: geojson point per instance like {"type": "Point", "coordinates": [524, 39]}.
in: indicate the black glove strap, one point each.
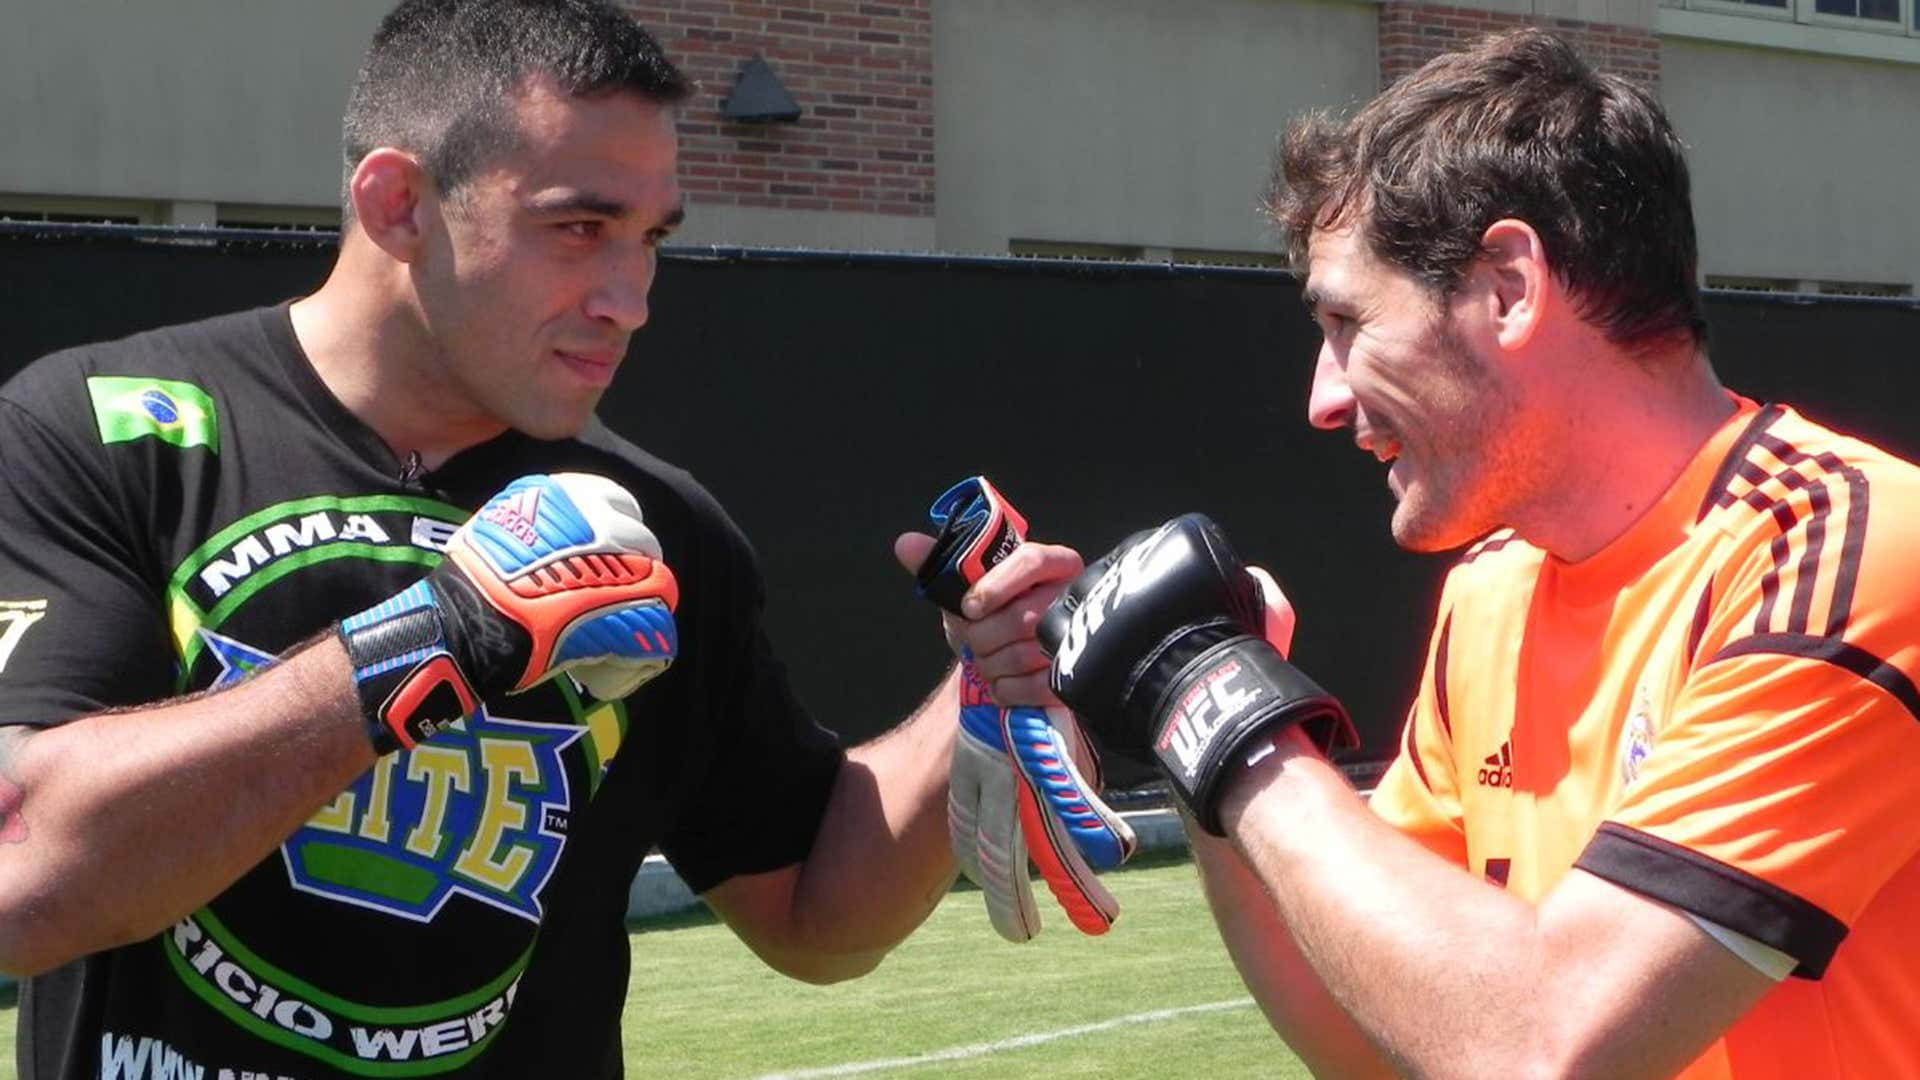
{"type": "Point", "coordinates": [408, 681]}
{"type": "Point", "coordinates": [1226, 697]}
{"type": "Point", "coordinates": [977, 530]}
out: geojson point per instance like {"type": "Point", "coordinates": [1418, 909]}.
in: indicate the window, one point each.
{"type": "Point", "coordinates": [1865, 288]}
{"type": "Point", "coordinates": [285, 218]}
{"type": "Point", "coordinates": [1089, 252]}
{"type": "Point", "coordinates": [63, 210]}
{"type": "Point", "coordinates": [1067, 249]}
{"type": "Point", "coordinates": [1880, 16]}
{"type": "Point", "coordinates": [1211, 257]}
{"type": "Point", "coordinates": [1798, 287]}
{"type": "Point", "coordinates": [1748, 283]}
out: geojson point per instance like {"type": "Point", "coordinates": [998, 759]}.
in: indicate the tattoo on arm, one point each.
{"type": "Point", "coordinates": [13, 797]}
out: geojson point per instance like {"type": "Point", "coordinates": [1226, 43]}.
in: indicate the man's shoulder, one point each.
{"type": "Point", "coordinates": [1814, 533]}
{"type": "Point", "coordinates": [1789, 472]}
{"type": "Point", "coordinates": [191, 352]}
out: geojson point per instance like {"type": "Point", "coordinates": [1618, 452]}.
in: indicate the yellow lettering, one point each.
{"type": "Point", "coordinates": [504, 760]}
{"type": "Point", "coordinates": [443, 770]}
{"type": "Point", "coordinates": [336, 816]}
{"type": "Point", "coordinates": [376, 824]}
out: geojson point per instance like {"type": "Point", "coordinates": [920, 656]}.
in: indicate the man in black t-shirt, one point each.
{"type": "Point", "coordinates": [206, 864]}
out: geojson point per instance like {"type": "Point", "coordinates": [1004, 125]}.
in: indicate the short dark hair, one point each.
{"type": "Point", "coordinates": [1516, 126]}
{"type": "Point", "coordinates": [439, 78]}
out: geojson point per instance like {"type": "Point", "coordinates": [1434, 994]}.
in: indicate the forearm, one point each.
{"type": "Point", "coordinates": [1454, 976]}
{"type": "Point", "coordinates": [1441, 970]}
{"type": "Point", "coordinates": [123, 822]}
{"type": "Point", "coordinates": [1287, 988]}
{"type": "Point", "coordinates": [882, 861]}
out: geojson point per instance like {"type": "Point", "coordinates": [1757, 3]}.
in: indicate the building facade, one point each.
{"type": "Point", "coordinates": [1126, 129]}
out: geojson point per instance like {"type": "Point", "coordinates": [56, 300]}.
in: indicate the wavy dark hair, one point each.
{"type": "Point", "coordinates": [439, 78]}
{"type": "Point", "coordinates": [1516, 126]}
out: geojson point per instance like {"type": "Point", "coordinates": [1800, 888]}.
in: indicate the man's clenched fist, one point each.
{"type": "Point", "coordinates": [1158, 647]}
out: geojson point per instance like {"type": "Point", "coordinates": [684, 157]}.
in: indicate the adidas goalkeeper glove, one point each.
{"type": "Point", "coordinates": [554, 574]}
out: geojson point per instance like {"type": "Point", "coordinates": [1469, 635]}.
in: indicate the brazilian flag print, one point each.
{"type": "Point", "coordinates": [173, 412]}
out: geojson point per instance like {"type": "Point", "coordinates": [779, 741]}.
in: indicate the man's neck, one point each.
{"type": "Point", "coordinates": [1628, 435]}
{"type": "Point", "coordinates": [369, 347]}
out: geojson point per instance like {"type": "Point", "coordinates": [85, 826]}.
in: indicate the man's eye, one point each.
{"type": "Point", "coordinates": [656, 237]}
{"type": "Point", "coordinates": [585, 230]}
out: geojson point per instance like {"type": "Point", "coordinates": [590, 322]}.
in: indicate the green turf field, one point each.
{"type": "Point", "coordinates": [1156, 998]}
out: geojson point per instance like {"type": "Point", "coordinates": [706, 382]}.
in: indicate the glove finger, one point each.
{"type": "Point", "coordinates": [985, 833]}
{"type": "Point", "coordinates": [611, 680]}
{"type": "Point", "coordinates": [963, 804]}
{"type": "Point", "coordinates": [1088, 904]}
{"type": "Point", "coordinates": [1068, 828]}
{"type": "Point", "coordinates": [1041, 746]}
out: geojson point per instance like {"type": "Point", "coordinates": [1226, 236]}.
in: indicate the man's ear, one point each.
{"type": "Point", "coordinates": [389, 190]}
{"type": "Point", "coordinates": [1517, 280]}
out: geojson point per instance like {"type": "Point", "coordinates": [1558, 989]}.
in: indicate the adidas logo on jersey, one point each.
{"type": "Point", "coordinates": [1497, 770]}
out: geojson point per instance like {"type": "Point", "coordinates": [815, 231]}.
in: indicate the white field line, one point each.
{"type": "Point", "coordinates": [956, 1053]}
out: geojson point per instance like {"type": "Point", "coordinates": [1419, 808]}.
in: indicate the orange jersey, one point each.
{"type": "Point", "coordinates": [1717, 711]}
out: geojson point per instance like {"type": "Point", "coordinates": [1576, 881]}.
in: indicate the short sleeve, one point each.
{"type": "Point", "coordinates": [1419, 794]}
{"type": "Point", "coordinates": [1777, 796]}
{"type": "Point", "coordinates": [768, 786]}
{"type": "Point", "coordinates": [81, 625]}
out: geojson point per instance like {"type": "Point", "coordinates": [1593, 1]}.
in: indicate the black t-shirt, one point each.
{"type": "Point", "coordinates": [178, 508]}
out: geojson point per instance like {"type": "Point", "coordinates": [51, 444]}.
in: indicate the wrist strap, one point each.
{"type": "Point", "coordinates": [408, 683]}
{"type": "Point", "coordinates": [1224, 698]}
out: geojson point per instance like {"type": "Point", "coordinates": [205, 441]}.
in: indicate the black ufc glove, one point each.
{"type": "Point", "coordinates": [1158, 647]}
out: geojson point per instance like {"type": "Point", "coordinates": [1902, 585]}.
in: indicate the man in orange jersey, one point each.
{"type": "Point", "coordinates": [1652, 813]}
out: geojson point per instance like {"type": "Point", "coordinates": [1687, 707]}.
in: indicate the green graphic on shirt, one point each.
{"type": "Point", "coordinates": [481, 812]}
{"type": "Point", "coordinates": [367, 1040]}
{"type": "Point", "coordinates": [178, 413]}
{"type": "Point", "coordinates": [267, 545]}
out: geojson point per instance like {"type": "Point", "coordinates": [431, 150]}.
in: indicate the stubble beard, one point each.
{"type": "Point", "coordinates": [1466, 464]}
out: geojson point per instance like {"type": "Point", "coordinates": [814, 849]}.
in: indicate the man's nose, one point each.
{"type": "Point", "coordinates": [621, 297]}
{"type": "Point", "coordinates": [1330, 405]}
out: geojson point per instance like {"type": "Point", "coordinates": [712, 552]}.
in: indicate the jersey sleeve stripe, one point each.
{"type": "Point", "coordinates": [1412, 749]}
{"type": "Point", "coordinates": [1808, 572]}
{"type": "Point", "coordinates": [1853, 531]}
{"type": "Point", "coordinates": [1770, 584]}
{"type": "Point", "coordinates": [1831, 650]}
{"type": "Point", "coordinates": [1856, 538]}
{"type": "Point", "coordinates": [1440, 677]}
{"type": "Point", "coordinates": [1733, 898]}
{"type": "Point", "coordinates": [1702, 614]}
{"type": "Point", "coordinates": [1720, 492]}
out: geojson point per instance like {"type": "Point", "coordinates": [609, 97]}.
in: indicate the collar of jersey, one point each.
{"type": "Point", "coordinates": [1658, 531]}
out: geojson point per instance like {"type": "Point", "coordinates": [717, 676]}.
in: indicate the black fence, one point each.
{"type": "Point", "coordinates": [827, 398]}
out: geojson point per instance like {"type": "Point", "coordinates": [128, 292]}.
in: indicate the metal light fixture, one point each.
{"type": "Point", "coordinates": [758, 97]}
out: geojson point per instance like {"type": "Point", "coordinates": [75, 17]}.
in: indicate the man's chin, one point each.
{"type": "Point", "coordinates": [1427, 533]}
{"type": "Point", "coordinates": [554, 426]}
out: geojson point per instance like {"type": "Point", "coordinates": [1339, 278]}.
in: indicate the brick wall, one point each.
{"type": "Point", "coordinates": [862, 72]}
{"type": "Point", "coordinates": [1412, 34]}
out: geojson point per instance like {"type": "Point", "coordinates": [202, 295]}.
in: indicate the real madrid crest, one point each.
{"type": "Point", "coordinates": [1637, 740]}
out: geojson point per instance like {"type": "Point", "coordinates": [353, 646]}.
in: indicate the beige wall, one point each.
{"type": "Point", "coordinates": [760, 226]}
{"type": "Point", "coordinates": [1804, 166]}
{"type": "Point", "coordinates": [179, 99]}
{"type": "Point", "coordinates": [1139, 122]}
